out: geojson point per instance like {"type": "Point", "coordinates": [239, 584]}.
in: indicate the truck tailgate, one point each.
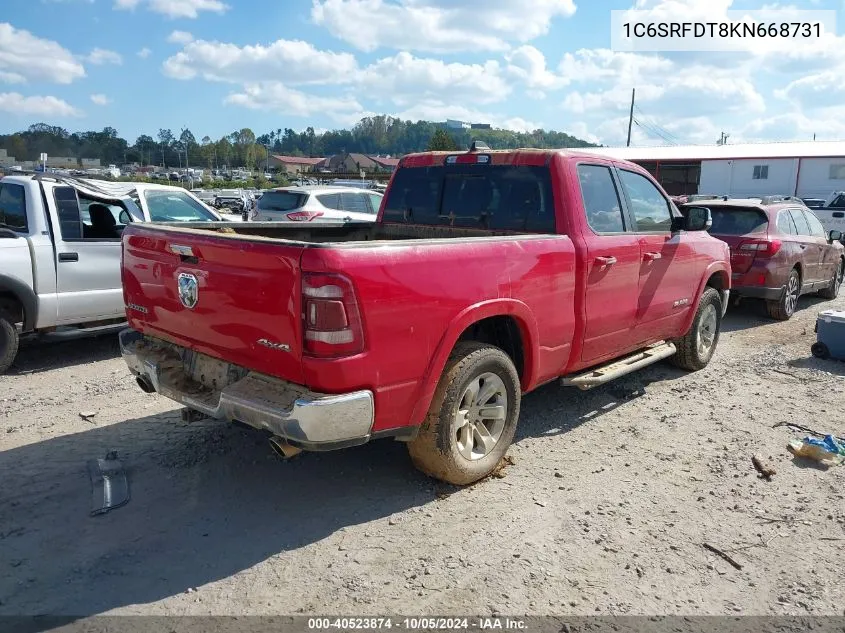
{"type": "Point", "coordinates": [246, 293]}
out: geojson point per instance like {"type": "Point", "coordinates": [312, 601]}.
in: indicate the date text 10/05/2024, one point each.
{"type": "Point", "coordinates": [418, 623]}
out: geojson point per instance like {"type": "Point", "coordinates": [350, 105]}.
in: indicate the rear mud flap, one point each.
{"type": "Point", "coordinates": [109, 485]}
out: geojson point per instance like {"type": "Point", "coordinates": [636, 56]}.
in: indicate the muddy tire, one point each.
{"type": "Point", "coordinates": [696, 347]}
{"type": "Point", "coordinates": [472, 417]}
{"type": "Point", "coordinates": [9, 341]}
{"type": "Point", "coordinates": [782, 309]}
{"type": "Point", "coordinates": [832, 291]}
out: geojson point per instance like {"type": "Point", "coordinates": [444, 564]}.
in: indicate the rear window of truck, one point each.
{"type": "Point", "coordinates": [737, 221]}
{"type": "Point", "coordinates": [496, 197]}
{"type": "Point", "coordinates": [13, 207]}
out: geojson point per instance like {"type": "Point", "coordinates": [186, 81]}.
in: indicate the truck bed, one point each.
{"type": "Point", "coordinates": [333, 234]}
{"type": "Point", "coordinates": [404, 283]}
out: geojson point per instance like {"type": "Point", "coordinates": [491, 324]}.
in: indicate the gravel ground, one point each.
{"type": "Point", "coordinates": [604, 510]}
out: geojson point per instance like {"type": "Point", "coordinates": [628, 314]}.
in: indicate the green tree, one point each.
{"type": "Point", "coordinates": [165, 141]}
{"type": "Point", "coordinates": [440, 141]}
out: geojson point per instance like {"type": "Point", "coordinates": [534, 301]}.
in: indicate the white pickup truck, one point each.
{"type": "Point", "coordinates": [60, 251]}
{"type": "Point", "coordinates": [832, 213]}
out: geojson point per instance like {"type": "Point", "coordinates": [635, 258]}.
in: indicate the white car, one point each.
{"type": "Point", "coordinates": [320, 204]}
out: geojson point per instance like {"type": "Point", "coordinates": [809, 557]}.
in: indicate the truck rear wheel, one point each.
{"type": "Point", "coordinates": [9, 341]}
{"type": "Point", "coordinates": [472, 418]}
{"type": "Point", "coordinates": [696, 347]}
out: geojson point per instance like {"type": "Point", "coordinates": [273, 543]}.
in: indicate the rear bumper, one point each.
{"type": "Point", "coordinates": [758, 292]}
{"type": "Point", "coordinates": [309, 420]}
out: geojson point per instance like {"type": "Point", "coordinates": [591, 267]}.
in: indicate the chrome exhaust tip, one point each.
{"type": "Point", "coordinates": [145, 384]}
{"type": "Point", "coordinates": [283, 449]}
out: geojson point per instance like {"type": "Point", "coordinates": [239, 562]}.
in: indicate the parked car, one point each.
{"type": "Point", "coordinates": [326, 204]}
{"type": "Point", "coordinates": [779, 250]}
{"type": "Point", "coordinates": [486, 275]}
{"type": "Point", "coordinates": [60, 251]}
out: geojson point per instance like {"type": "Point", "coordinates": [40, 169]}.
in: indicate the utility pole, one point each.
{"type": "Point", "coordinates": [631, 116]}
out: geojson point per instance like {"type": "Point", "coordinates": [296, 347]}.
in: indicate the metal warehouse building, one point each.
{"type": "Point", "coordinates": [812, 169]}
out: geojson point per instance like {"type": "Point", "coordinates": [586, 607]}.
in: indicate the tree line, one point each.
{"type": "Point", "coordinates": [383, 135]}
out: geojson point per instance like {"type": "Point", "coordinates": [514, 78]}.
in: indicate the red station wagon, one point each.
{"type": "Point", "coordinates": [779, 250]}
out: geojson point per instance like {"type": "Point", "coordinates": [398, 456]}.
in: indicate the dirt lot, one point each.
{"type": "Point", "coordinates": [605, 509]}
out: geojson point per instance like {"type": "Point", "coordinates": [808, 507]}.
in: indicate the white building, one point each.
{"type": "Point", "coordinates": [812, 169]}
{"type": "Point", "coordinates": [454, 124]}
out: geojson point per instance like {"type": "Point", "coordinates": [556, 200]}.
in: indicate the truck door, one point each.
{"type": "Point", "coordinates": [612, 266]}
{"type": "Point", "coordinates": [668, 272]}
{"type": "Point", "coordinates": [88, 258]}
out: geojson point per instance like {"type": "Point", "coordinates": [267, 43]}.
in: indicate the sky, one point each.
{"type": "Point", "coordinates": [219, 65]}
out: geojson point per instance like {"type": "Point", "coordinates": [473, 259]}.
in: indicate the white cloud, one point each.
{"type": "Point", "coordinates": [180, 37]}
{"type": "Point", "coordinates": [433, 110]}
{"type": "Point", "coordinates": [289, 61]}
{"type": "Point", "coordinates": [16, 104]}
{"type": "Point", "coordinates": [276, 97]}
{"type": "Point", "coordinates": [100, 56]}
{"type": "Point", "coordinates": [438, 25]}
{"type": "Point", "coordinates": [100, 99]}
{"type": "Point", "coordinates": [175, 8]}
{"type": "Point", "coordinates": [144, 53]}
{"type": "Point", "coordinates": [25, 57]}
{"type": "Point", "coordinates": [404, 78]}
{"type": "Point", "coordinates": [11, 78]}
{"type": "Point", "coordinates": [794, 126]}
{"type": "Point", "coordinates": [812, 92]}
{"type": "Point", "coordinates": [528, 64]}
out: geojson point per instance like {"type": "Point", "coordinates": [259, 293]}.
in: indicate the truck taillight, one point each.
{"type": "Point", "coordinates": [331, 320]}
{"type": "Point", "coordinates": [303, 216]}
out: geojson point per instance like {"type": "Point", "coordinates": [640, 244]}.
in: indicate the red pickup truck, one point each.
{"type": "Point", "coordinates": [487, 274]}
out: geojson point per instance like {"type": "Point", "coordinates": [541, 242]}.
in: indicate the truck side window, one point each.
{"type": "Point", "coordinates": [601, 200]}
{"type": "Point", "coordinates": [67, 207]}
{"type": "Point", "coordinates": [650, 209]}
{"type": "Point", "coordinates": [13, 207]}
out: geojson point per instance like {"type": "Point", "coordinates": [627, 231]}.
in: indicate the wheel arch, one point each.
{"type": "Point", "coordinates": [512, 315]}
{"type": "Point", "coordinates": [19, 299]}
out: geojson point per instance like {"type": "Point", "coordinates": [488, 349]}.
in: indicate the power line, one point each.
{"type": "Point", "coordinates": [653, 124]}
{"type": "Point", "coordinates": [653, 131]}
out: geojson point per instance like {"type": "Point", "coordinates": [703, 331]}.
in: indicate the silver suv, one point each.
{"type": "Point", "coordinates": [320, 204]}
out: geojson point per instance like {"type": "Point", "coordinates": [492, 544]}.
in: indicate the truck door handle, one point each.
{"type": "Point", "coordinates": [650, 257]}
{"type": "Point", "coordinates": [803, 246]}
{"type": "Point", "coordinates": [68, 257]}
{"type": "Point", "coordinates": [605, 262]}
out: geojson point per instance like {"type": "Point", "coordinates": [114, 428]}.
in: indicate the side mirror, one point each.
{"type": "Point", "coordinates": [835, 236]}
{"type": "Point", "coordinates": [125, 217]}
{"type": "Point", "coordinates": [697, 219]}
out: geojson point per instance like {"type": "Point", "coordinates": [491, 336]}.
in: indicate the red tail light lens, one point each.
{"type": "Point", "coordinates": [765, 248]}
{"type": "Point", "coordinates": [330, 316]}
{"type": "Point", "coordinates": [303, 216]}
{"type": "Point", "coordinates": [747, 251]}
